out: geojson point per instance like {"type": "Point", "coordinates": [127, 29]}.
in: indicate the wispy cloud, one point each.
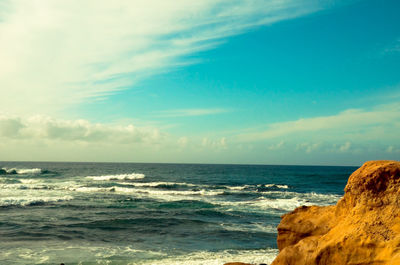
{"type": "Point", "coordinates": [54, 54]}
{"type": "Point", "coordinates": [220, 144]}
{"type": "Point", "coordinates": [393, 149]}
{"type": "Point", "coordinates": [394, 47]}
{"type": "Point", "coordinates": [308, 147]}
{"type": "Point", "coordinates": [382, 121]}
{"type": "Point", "coordinates": [189, 112]}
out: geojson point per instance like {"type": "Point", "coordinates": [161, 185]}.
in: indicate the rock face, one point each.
{"type": "Point", "coordinates": [362, 229]}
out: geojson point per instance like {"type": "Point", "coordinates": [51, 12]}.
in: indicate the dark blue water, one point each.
{"type": "Point", "coordinates": [110, 213]}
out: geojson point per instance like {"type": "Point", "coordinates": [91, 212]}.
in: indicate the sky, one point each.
{"type": "Point", "coordinates": [310, 82]}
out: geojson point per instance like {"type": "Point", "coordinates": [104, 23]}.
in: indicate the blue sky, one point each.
{"type": "Point", "coordinates": [266, 82]}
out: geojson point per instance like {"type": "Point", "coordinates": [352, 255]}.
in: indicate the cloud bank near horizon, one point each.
{"type": "Point", "coordinates": [364, 133]}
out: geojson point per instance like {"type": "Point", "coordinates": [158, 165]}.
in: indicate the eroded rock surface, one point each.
{"type": "Point", "coordinates": [362, 229]}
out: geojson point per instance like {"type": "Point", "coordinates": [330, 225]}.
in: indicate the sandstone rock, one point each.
{"type": "Point", "coordinates": [362, 229]}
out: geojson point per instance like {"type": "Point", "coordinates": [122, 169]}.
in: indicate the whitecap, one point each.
{"type": "Point", "coordinates": [155, 184]}
{"type": "Point", "coordinates": [29, 171]}
{"type": "Point", "coordinates": [282, 201]}
{"type": "Point", "coordinates": [278, 204]}
{"type": "Point", "coordinates": [276, 186]}
{"type": "Point", "coordinates": [174, 195]}
{"type": "Point", "coordinates": [253, 227]}
{"type": "Point", "coordinates": [131, 176]}
{"type": "Point", "coordinates": [100, 189]}
{"type": "Point", "coordinates": [27, 201]}
{"type": "Point", "coordinates": [23, 170]}
{"type": "Point", "coordinates": [29, 181]}
{"type": "Point", "coordinates": [263, 204]}
{"type": "Point", "coordinates": [254, 187]}
{"type": "Point", "coordinates": [320, 199]}
{"type": "Point", "coordinates": [163, 195]}
{"type": "Point", "coordinates": [239, 187]}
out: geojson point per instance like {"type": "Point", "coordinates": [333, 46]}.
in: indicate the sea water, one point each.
{"type": "Point", "coordinates": [125, 213]}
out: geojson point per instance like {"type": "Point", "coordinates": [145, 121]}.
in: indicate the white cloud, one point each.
{"type": "Point", "coordinates": [49, 129]}
{"type": "Point", "coordinates": [276, 146]}
{"type": "Point", "coordinates": [357, 124]}
{"type": "Point", "coordinates": [308, 147]}
{"type": "Point", "coordinates": [54, 54]}
{"type": "Point", "coordinates": [392, 149]}
{"type": "Point", "coordinates": [345, 147]}
{"type": "Point", "coordinates": [394, 47]}
{"type": "Point", "coordinates": [219, 144]}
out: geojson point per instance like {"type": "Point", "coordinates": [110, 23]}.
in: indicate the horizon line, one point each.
{"type": "Point", "coordinates": [184, 163]}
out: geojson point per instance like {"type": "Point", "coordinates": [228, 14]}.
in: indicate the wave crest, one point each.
{"type": "Point", "coordinates": [131, 176]}
{"type": "Point", "coordinates": [31, 201]}
{"type": "Point", "coordinates": [259, 256]}
{"type": "Point", "coordinates": [12, 171]}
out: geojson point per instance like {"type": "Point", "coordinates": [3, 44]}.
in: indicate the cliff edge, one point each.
{"type": "Point", "coordinates": [362, 229]}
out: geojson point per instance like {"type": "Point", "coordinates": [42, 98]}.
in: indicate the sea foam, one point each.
{"type": "Point", "coordinates": [29, 201]}
{"type": "Point", "coordinates": [22, 170]}
{"type": "Point", "coordinates": [131, 176]}
{"type": "Point", "coordinates": [259, 256]}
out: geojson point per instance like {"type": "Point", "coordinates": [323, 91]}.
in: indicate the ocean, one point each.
{"type": "Point", "coordinates": [129, 213]}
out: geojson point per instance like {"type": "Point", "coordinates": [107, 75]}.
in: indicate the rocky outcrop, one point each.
{"type": "Point", "coordinates": [362, 229]}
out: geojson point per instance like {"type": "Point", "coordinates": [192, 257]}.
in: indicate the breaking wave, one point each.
{"type": "Point", "coordinates": [31, 201]}
{"type": "Point", "coordinates": [283, 201]}
{"type": "Point", "coordinates": [109, 254]}
{"type": "Point", "coordinates": [131, 176]}
{"type": "Point", "coordinates": [260, 187]}
{"type": "Point", "coordinates": [252, 227]}
{"type": "Point", "coordinates": [13, 171]}
{"type": "Point", "coordinates": [260, 256]}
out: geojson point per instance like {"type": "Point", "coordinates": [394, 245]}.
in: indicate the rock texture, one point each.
{"type": "Point", "coordinates": [362, 229]}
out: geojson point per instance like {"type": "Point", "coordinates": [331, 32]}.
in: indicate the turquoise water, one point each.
{"type": "Point", "coordinates": [109, 213]}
